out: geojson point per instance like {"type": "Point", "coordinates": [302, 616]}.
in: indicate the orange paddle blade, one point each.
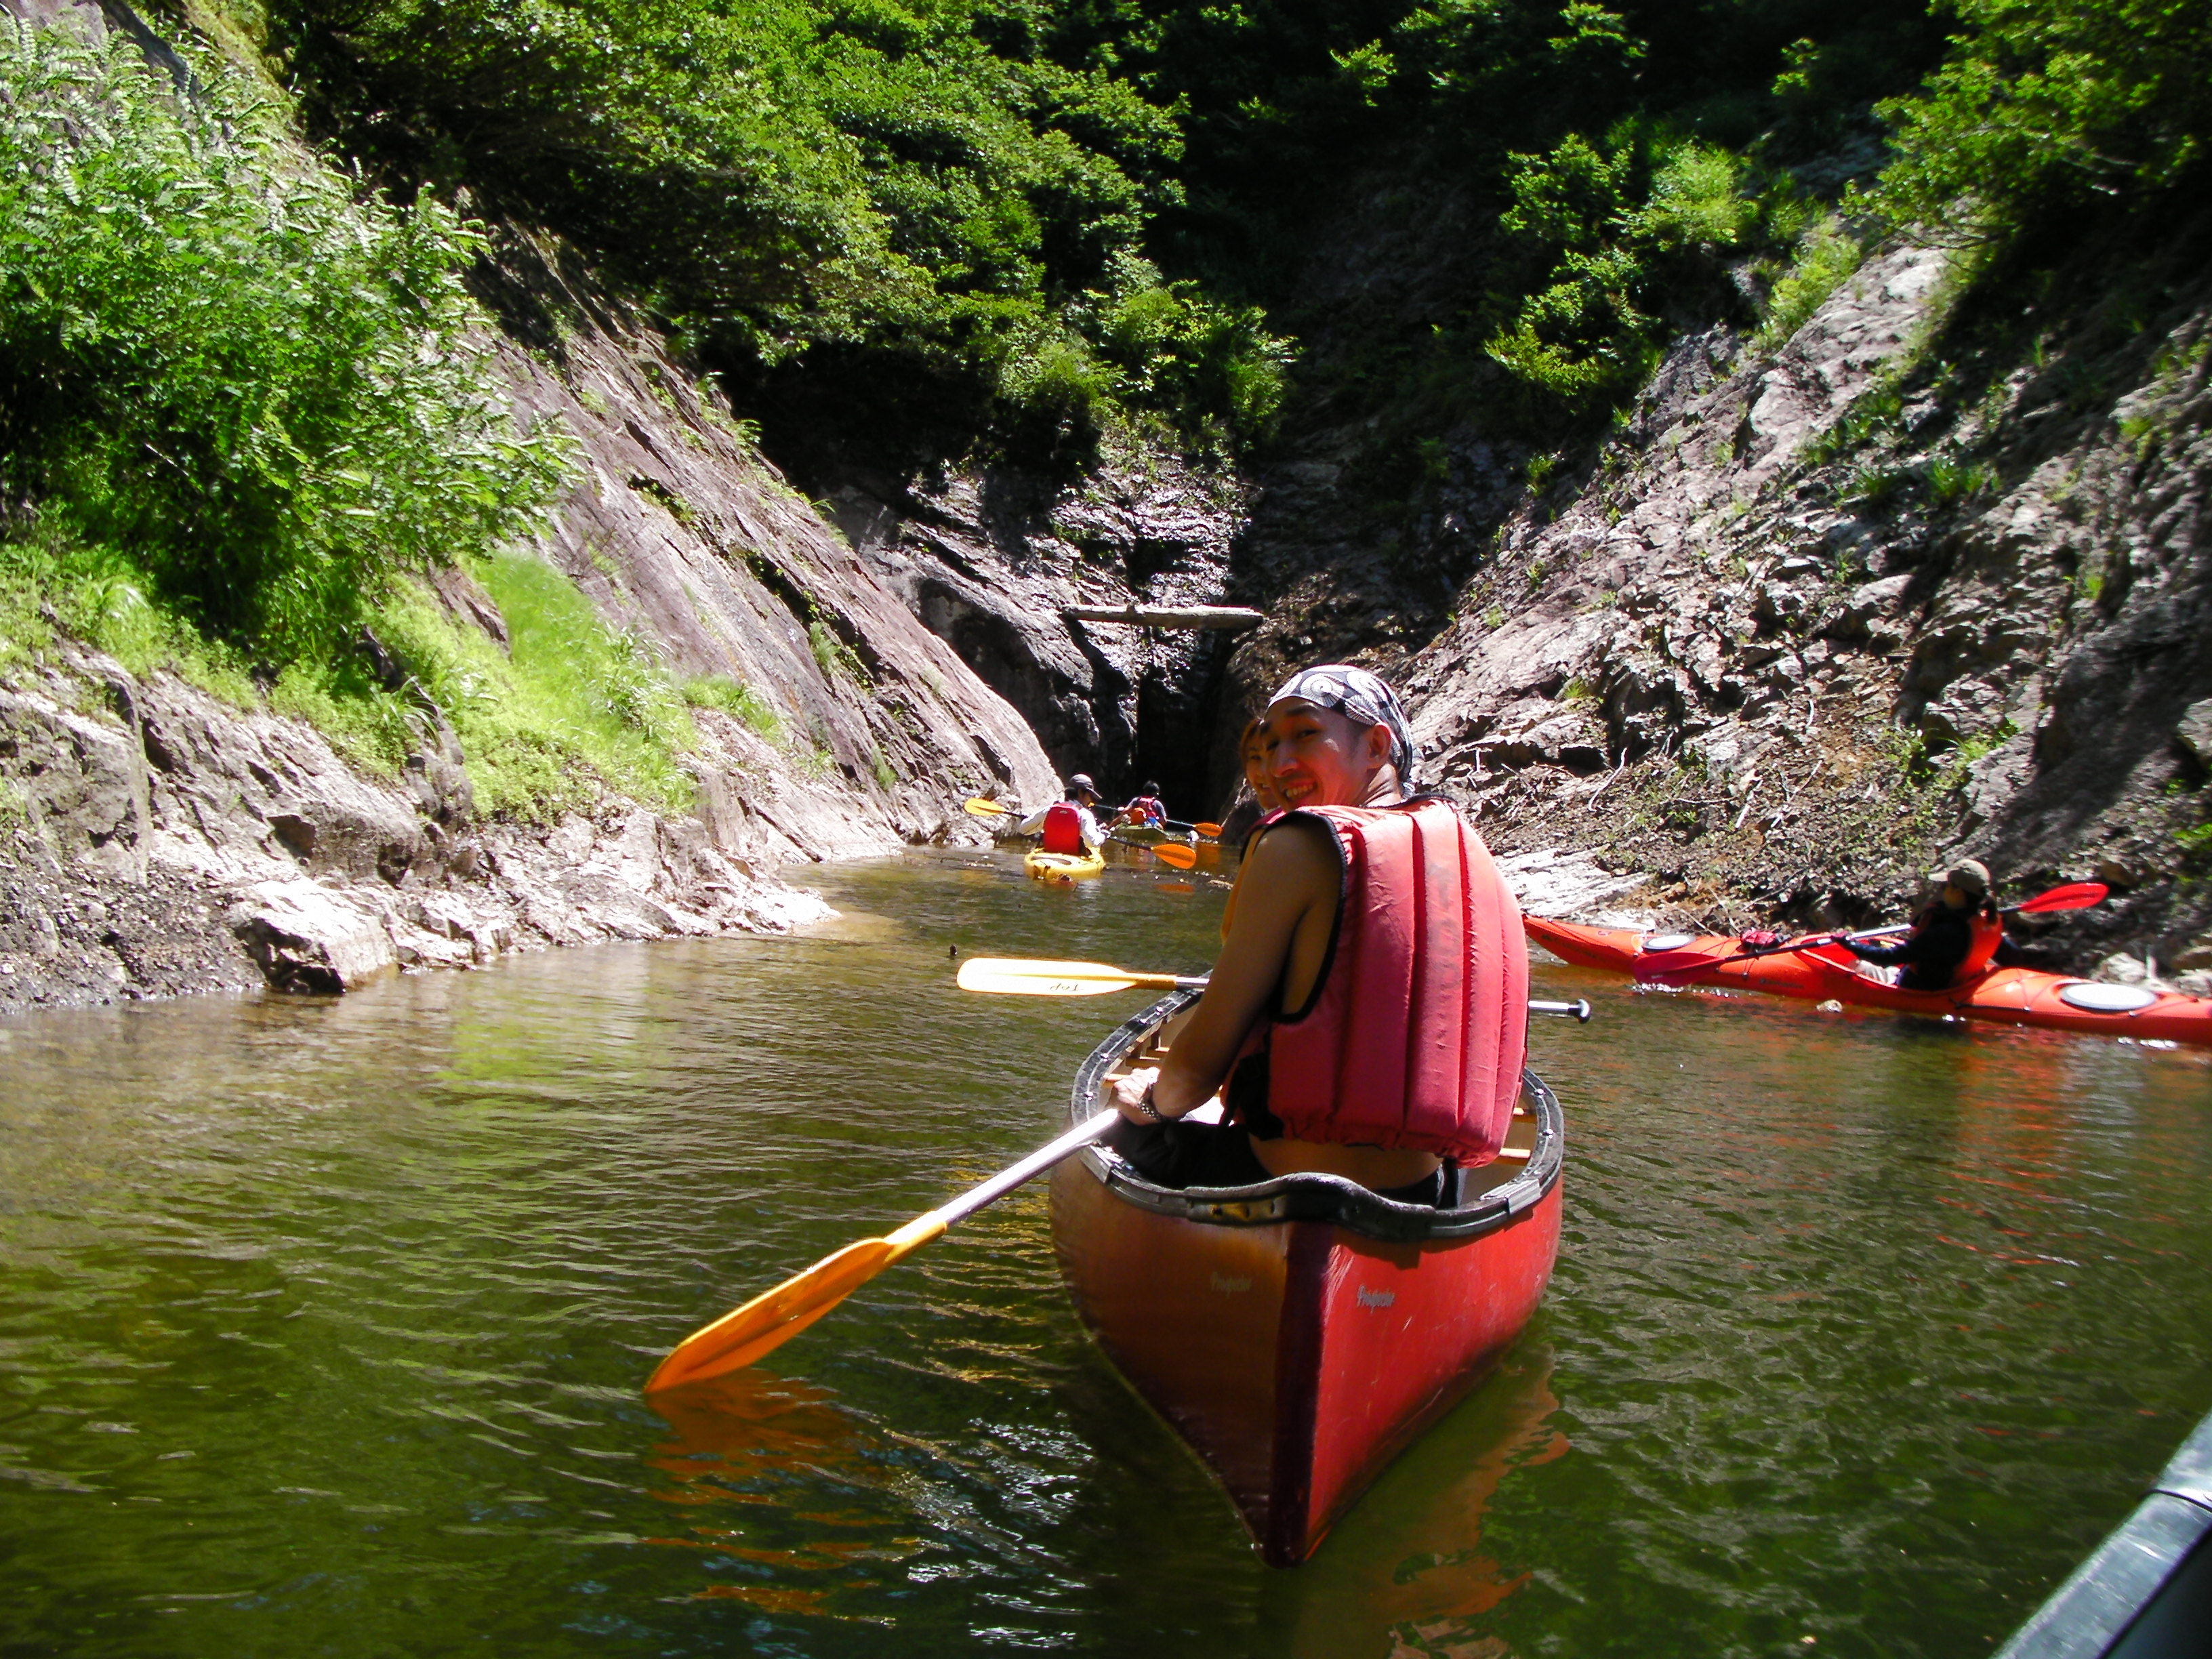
{"type": "Point", "coordinates": [1209, 831]}
{"type": "Point", "coordinates": [983, 806]}
{"type": "Point", "coordinates": [772, 1319]}
{"type": "Point", "coordinates": [1175, 855]}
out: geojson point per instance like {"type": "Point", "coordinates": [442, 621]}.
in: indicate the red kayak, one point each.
{"type": "Point", "coordinates": [1299, 1333]}
{"type": "Point", "coordinates": [2013, 996]}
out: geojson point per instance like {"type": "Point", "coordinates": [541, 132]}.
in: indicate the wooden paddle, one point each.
{"type": "Point", "coordinates": [770, 1320]}
{"type": "Point", "coordinates": [2072, 895]}
{"type": "Point", "coordinates": [1029, 977]}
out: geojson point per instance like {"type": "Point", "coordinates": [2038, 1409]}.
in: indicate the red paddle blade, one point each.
{"type": "Point", "coordinates": [2074, 896]}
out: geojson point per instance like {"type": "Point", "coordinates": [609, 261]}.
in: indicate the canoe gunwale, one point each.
{"type": "Point", "coordinates": [1323, 1198]}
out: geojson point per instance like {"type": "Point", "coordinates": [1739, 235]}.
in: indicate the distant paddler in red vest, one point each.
{"type": "Point", "coordinates": [1953, 939]}
{"type": "Point", "coordinates": [1369, 1013]}
{"type": "Point", "coordinates": [1146, 808]}
{"type": "Point", "coordinates": [1068, 826]}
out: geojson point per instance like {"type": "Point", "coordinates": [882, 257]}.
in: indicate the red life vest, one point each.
{"type": "Point", "coordinates": [1986, 932]}
{"type": "Point", "coordinates": [1063, 829]}
{"type": "Point", "coordinates": [1144, 809]}
{"type": "Point", "coordinates": [1415, 1035]}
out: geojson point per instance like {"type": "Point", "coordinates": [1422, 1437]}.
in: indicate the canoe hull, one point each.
{"type": "Point", "coordinates": [2013, 996]}
{"type": "Point", "coordinates": [1298, 1361]}
{"type": "Point", "coordinates": [1297, 1356]}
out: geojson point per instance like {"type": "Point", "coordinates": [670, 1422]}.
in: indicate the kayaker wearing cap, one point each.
{"type": "Point", "coordinates": [1953, 940]}
{"type": "Point", "coordinates": [1068, 826]}
{"type": "Point", "coordinates": [1368, 1013]}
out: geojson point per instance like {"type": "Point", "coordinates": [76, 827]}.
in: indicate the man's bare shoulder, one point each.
{"type": "Point", "coordinates": [1297, 849]}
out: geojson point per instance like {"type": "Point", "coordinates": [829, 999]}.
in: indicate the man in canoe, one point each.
{"type": "Point", "coordinates": [1068, 826]}
{"type": "Point", "coordinates": [1368, 1015]}
{"type": "Point", "coordinates": [1953, 940]}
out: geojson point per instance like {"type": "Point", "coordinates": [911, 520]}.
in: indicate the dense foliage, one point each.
{"type": "Point", "coordinates": [243, 402]}
{"type": "Point", "coordinates": [2045, 106]}
{"type": "Point", "coordinates": [226, 376]}
{"type": "Point", "coordinates": [927, 181]}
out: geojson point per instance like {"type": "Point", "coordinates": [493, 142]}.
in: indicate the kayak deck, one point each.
{"type": "Point", "coordinates": [2015, 996]}
{"type": "Point", "coordinates": [1299, 1334]}
{"type": "Point", "coordinates": [1057, 868]}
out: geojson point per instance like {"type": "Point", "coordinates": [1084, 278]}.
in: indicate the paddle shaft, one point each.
{"type": "Point", "coordinates": [1890, 931]}
{"type": "Point", "coordinates": [2072, 895]}
{"type": "Point", "coordinates": [1030, 1167]}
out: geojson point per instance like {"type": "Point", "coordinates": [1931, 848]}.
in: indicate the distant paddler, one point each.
{"type": "Point", "coordinates": [1145, 809]}
{"type": "Point", "coordinates": [1367, 1016]}
{"type": "Point", "coordinates": [1952, 941]}
{"type": "Point", "coordinates": [1068, 826]}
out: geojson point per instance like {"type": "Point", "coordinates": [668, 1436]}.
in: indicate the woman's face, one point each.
{"type": "Point", "coordinates": [1255, 769]}
{"type": "Point", "coordinates": [1316, 756]}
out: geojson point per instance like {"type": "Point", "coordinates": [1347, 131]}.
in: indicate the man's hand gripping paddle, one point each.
{"type": "Point", "coordinates": [1663, 965]}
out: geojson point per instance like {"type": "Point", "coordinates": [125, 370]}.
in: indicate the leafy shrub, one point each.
{"type": "Point", "coordinates": [1625, 221]}
{"type": "Point", "coordinates": [1826, 255]}
{"type": "Point", "coordinates": [227, 382]}
{"type": "Point", "coordinates": [2046, 104]}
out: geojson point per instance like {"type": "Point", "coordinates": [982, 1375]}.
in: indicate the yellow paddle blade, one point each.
{"type": "Point", "coordinates": [1030, 977]}
{"type": "Point", "coordinates": [1175, 854]}
{"type": "Point", "coordinates": [772, 1319]}
{"type": "Point", "coordinates": [983, 806]}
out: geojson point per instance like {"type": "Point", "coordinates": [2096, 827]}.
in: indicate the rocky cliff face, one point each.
{"type": "Point", "coordinates": [1923, 581]}
{"type": "Point", "coordinates": [156, 839]}
{"type": "Point", "coordinates": [990, 561]}
{"type": "Point", "coordinates": [1816, 621]}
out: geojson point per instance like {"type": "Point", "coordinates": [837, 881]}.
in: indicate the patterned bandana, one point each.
{"type": "Point", "coordinates": [1361, 698]}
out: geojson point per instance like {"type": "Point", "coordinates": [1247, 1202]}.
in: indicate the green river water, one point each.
{"type": "Point", "coordinates": [322, 1323]}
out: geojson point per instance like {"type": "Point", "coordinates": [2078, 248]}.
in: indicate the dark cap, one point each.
{"type": "Point", "coordinates": [1970, 876]}
{"type": "Point", "coordinates": [1081, 784]}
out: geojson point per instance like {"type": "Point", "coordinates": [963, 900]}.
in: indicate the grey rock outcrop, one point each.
{"type": "Point", "coordinates": [1783, 657]}
{"type": "Point", "coordinates": [990, 564]}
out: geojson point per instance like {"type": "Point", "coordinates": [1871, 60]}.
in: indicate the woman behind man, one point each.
{"type": "Point", "coordinates": [1368, 1014]}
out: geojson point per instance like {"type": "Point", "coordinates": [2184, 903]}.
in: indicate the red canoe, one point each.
{"type": "Point", "coordinates": [1298, 1334]}
{"type": "Point", "coordinates": [2013, 996]}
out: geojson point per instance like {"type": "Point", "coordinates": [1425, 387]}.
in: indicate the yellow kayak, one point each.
{"type": "Point", "coordinates": [1060, 868]}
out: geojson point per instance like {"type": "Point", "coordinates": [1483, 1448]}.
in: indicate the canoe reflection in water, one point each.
{"type": "Point", "coordinates": [755, 1439]}
{"type": "Point", "coordinates": [1404, 1573]}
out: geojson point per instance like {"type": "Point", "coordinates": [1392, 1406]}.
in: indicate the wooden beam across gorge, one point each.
{"type": "Point", "coordinates": [1227, 618]}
